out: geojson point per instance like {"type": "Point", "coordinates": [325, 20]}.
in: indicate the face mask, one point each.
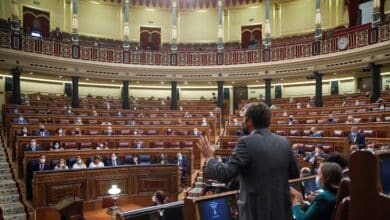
{"type": "Point", "coordinates": [41, 129]}
{"type": "Point", "coordinates": [33, 143]}
{"type": "Point", "coordinates": [42, 160]}
{"type": "Point", "coordinates": [78, 161]}
{"type": "Point", "coordinates": [109, 131]}
{"type": "Point", "coordinates": [180, 157]}
{"type": "Point", "coordinates": [25, 130]}
{"type": "Point", "coordinates": [56, 146]}
{"type": "Point", "coordinates": [20, 119]}
{"type": "Point", "coordinates": [317, 182]}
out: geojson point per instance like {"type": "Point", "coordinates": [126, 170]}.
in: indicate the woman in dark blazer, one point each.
{"type": "Point", "coordinates": [321, 208]}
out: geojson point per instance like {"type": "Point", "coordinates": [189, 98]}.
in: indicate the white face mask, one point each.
{"type": "Point", "coordinates": [179, 157]}
{"type": "Point", "coordinates": [25, 130]}
{"type": "Point", "coordinates": [33, 143]}
{"type": "Point", "coordinates": [21, 119]}
{"type": "Point", "coordinates": [56, 146]}
{"type": "Point", "coordinates": [79, 161]}
{"type": "Point", "coordinates": [42, 160]}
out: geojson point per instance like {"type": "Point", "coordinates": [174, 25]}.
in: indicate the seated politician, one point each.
{"type": "Point", "coordinates": [113, 161]}
{"type": "Point", "coordinates": [33, 146]}
{"type": "Point", "coordinates": [42, 132]}
{"type": "Point", "coordinates": [323, 203]}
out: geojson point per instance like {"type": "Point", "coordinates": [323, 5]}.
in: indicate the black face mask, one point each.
{"type": "Point", "coordinates": [42, 130]}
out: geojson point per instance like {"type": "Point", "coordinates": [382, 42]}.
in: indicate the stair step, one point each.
{"type": "Point", "coordinates": [19, 216]}
{"type": "Point", "coordinates": [5, 176]}
{"type": "Point", "coordinates": [9, 199]}
{"type": "Point", "coordinates": [7, 184]}
{"type": "Point", "coordinates": [12, 208]}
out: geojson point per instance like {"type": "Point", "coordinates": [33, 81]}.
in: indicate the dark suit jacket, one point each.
{"type": "Point", "coordinates": [108, 162]}
{"type": "Point", "coordinates": [320, 209]}
{"type": "Point", "coordinates": [360, 140]}
{"type": "Point", "coordinates": [264, 162]}
{"type": "Point", "coordinates": [29, 148]}
{"type": "Point", "coordinates": [45, 133]}
{"type": "Point", "coordinates": [36, 167]}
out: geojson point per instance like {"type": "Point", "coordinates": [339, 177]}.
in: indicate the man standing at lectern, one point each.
{"type": "Point", "coordinates": [264, 162]}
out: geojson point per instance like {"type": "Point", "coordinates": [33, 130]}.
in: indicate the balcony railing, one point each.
{"type": "Point", "coordinates": [359, 36]}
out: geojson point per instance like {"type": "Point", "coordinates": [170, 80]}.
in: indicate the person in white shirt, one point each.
{"type": "Point", "coordinates": [97, 162]}
{"type": "Point", "coordinates": [79, 164]}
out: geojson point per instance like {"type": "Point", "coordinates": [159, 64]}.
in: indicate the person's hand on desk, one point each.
{"type": "Point", "coordinates": [205, 148]}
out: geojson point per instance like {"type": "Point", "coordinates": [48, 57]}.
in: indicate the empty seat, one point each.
{"type": "Point", "coordinates": [182, 132]}
{"type": "Point", "coordinates": [295, 133]}
{"type": "Point", "coordinates": [144, 159]}
{"type": "Point", "coordinates": [123, 144]}
{"type": "Point", "coordinates": [281, 122]}
{"type": "Point", "coordinates": [93, 132]}
{"type": "Point", "coordinates": [92, 122]}
{"type": "Point", "coordinates": [120, 122]}
{"type": "Point", "coordinates": [151, 132]}
{"type": "Point", "coordinates": [70, 145]}
{"type": "Point", "coordinates": [369, 133]}
{"type": "Point", "coordinates": [338, 133]}
{"type": "Point", "coordinates": [174, 144]}
{"type": "Point", "coordinates": [64, 121]}
{"type": "Point", "coordinates": [322, 121]}
{"type": "Point", "coordinates": [308, 148]}
{"type": "Point", "coordinates": [124, 132]}
{"type": "Point", "coordinates": [328, 149]}
{"type": "Point", "coordinates": [167, 122]}
{"type": "Point", "coordinates": [84, 145]}
{"type": "Point", "coordinates": [33, 121]}
{"type": "Point", "coordinates": [156, 122]}
{"type": "Point", "coordinates": [311, 121]}
{"type": "Point", "coordinates": [145, 122]}
{"type": "Point", "coordinates": [157, 144]}
{"type": "Point", "coordinates": [187, 144]}
{"type": "Point", "coordinates": [313, 113]}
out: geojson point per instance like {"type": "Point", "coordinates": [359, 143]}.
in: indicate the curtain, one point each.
{"type": "Point", "coordinates": [250, 36]}
{"type": "Point", "coordinates": [150, 38]}
{"type": "Point", "coordinates": [36, 20]}
{"type": "Point", "coordinates": [353, 11]}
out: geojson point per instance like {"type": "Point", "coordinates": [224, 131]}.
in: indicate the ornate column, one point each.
{"type": "Point", "coordinates": [75, 22]}
{"type": "Point", "coordinates": [174, 34]}
{"type": "Point", "coordinates": [126, 31]}
{"type": "Point", "coordinates": [376, 79]}
{"type": "Point", "coordinates": [220, 33]}
{"type": "Point", "coordinates": [75, 27]}
{"type": "Point", "coordinates": [16, 85]}
{"type": "Point", "coordinates": [125, 94]}
{"type": "Point", "coordinates": [267, 39]}
{"type": "Point", "coordinates": [318, 78]}
{"type": "Point", "coordinates": [75, 92]}
{"type": "Point", "coordinates": [318, 30]}
{"type": "Point", "coordinates": [173, 95]}
{"type": "Point", "coordinates": [268, 99]}
{"type": "Point", "coordinates": [220, 95]}
{"type": "Point", "coordinates": [16, 35]}
{"type": "Point", "coordinates": [376, 12]}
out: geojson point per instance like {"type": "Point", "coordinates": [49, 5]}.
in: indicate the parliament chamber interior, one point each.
{"type": "Point", "coordinates": [106, 104]}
